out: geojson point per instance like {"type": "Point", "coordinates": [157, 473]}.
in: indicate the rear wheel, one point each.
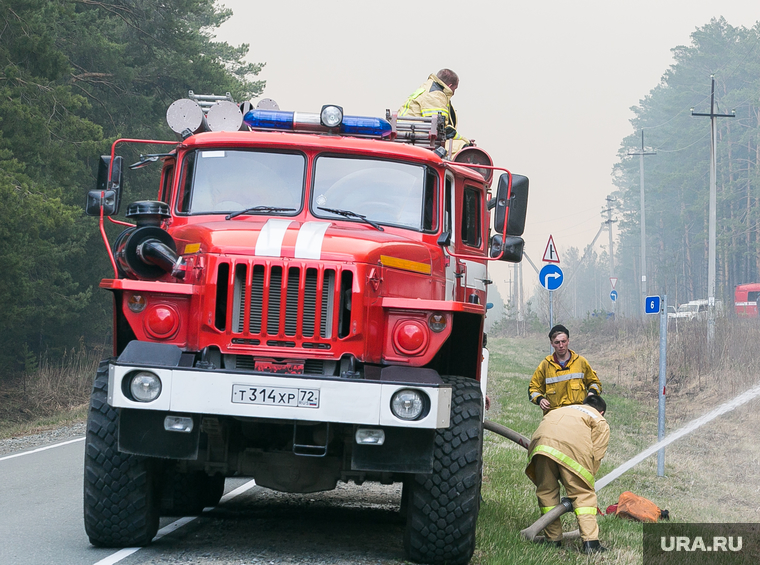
{"type": "Point", "coordinates": [442, 508]}
{"type": "Point", "coordinates": [120, 503]}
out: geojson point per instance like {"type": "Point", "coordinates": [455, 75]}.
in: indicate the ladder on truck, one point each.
{"type": "Point", "coordinates": [425, 132]}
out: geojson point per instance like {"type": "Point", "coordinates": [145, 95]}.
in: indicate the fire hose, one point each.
{"type": "Point", "coordinates": [565, 505]}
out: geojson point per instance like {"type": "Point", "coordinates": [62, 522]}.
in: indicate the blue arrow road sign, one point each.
{"type": "Point", "coordinates": [551, 277]}
{"type": "Point", "coordinates": [652, 305]}
{"type": "Point", "coordinates": [613, 295]}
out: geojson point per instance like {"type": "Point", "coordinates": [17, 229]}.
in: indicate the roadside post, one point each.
{"type": "Point", "coordinates": [653, 305]}
{"type": "Point", "coordinates": [551, 276]}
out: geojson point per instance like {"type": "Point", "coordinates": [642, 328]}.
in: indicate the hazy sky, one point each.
{"type": "Point", "coordinates": [545, 86]}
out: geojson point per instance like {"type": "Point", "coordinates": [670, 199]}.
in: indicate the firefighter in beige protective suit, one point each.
{"type": "Point", "coordinates": [434, 97]}
{"type": "Point", "coordinates": [567, 448]}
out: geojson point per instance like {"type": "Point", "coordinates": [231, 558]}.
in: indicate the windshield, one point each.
{"type": "Point", "coordinates": [222, 181]}
{"type": "Point", "coordinates": [384, 191]}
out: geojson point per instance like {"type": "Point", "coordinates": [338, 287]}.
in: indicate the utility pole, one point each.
{"type": "Point", "coordinates": [713, 214]}
{"type": "Point", "coordinates": [609, 223]}
{"type": "Point", "coordinates": [520, 313]}
{"type": "Point", "coordinates": [641, 155]}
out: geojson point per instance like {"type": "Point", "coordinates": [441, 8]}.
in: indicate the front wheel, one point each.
{"type": "Point", "coordinates": [120, 502]}
{"type": "Point", "coordinates": [442, 509]}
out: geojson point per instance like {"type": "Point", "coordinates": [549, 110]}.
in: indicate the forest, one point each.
{"type": "Point", "coordinates": [75, 75]}
{"type": "Point", "coordinates": [677, 176]}
{"type": "Point", "coordinates": [677, 186]}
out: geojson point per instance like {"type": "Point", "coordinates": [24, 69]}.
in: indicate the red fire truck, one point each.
{"type": "Point", "coordinates": [302, 304]}
{"type": "Point", "coordinates": [745, 299]}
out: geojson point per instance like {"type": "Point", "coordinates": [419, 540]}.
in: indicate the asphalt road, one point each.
{"type": "Point", "coordinates": [41, 522]}
{"type": "Point", "coordinates": [41, 508]}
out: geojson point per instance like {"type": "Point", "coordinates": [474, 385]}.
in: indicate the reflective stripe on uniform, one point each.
{"type": "Point", "coordinates": [585, 510]}
{"type": "Point", "coordinates": [569, 461]}
{"type": "Point", "coordinates": [428, 112]}
{"type": "Point", "coordinates": [568, 377]}
{"type": "Point", "coordinates": [405, 108]}
{"type": "Point", "coordinates": [545, 509]}
{"type": "Point", "coordinates": [596, 386]}
{"type": "Point", "coordinates": [584, 410]}
{"type": "Point", "coordinates": [534, 395]}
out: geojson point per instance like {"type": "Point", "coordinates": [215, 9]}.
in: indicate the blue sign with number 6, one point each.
{"type": "Point", "coordinates": [652, 305]}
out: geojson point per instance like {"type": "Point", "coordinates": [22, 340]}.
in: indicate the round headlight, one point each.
{"type": "Point", "coordinates": [408, 404]}
{"type": "Point", "coordinates": [331, 116]}
{"type": "Point", "coordinates": [145, 386]}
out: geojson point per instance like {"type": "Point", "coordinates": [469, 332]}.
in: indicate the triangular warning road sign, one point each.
{"type": "Point", "coordinates": [550, 254]}
{"type": "Point", "coordinates": [613, 282]}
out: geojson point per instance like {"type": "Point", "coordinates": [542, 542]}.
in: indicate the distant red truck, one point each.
{"type": "Point", "coordinates": [745, 299]}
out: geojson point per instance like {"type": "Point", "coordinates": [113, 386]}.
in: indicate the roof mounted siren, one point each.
{"type": "Point", "coordinates": [205, 112]}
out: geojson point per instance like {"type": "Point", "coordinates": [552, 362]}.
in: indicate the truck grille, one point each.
{"type": "Point", "coordinates": [282, 305]}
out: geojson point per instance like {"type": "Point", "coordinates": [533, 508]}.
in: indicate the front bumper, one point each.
{"type": "Point", "coordinates": [348, 401]}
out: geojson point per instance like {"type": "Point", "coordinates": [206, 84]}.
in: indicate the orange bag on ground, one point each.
{"type": "Point", "coordinates": [638, 508]}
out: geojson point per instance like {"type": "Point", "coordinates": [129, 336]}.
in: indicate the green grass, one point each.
{"type": "Point", "coordinates": [509, 502]}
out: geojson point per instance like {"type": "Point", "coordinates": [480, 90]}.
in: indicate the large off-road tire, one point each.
{"type": "Point", "coordinates": [120, 502]}
{"type": "Point", "coordinates": [442, 509]}
{"type": "Point", "coordinates": [187, 494]}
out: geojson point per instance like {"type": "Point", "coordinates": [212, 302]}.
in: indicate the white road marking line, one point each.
{"type": "Point", "coordinates": [41, 449]}
{"type": "Point", "coordinates": [174, 526]}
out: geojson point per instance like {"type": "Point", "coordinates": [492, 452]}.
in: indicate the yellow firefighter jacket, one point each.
{"type": "Point", "coordinates": [562, 387]}
{"type": "Point", "coordinates": [576, 437]}
{"type": "Point", "coordinates": [433, 97]}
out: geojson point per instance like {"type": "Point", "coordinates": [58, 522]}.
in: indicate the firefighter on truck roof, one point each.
{"type": "Point", "coordinates": [434, 97]}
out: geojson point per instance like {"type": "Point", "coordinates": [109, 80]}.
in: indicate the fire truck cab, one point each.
{"type": "Point", "coordinates": [745, 299]}
{"type": "Point", "coordinates": [303, 303]}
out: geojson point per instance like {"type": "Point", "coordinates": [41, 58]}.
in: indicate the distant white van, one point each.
{"type": "Point", "coordinates": [695, 310]}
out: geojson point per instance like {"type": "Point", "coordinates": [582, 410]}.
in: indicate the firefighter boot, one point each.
{"type": "Point", "coordinates": [593, 546]}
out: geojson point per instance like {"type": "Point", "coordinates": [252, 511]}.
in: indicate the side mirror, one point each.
{"type": "Point", "coordinates": [105, 185]}
{"type": "Point", "coordinates": [512, 246]}
{"type": "Point", "coordinates": [444, 240]}
{"type": "Point", "coordinates": [512, 211]}
{"type": "Point", "coordinates": [97, 199]}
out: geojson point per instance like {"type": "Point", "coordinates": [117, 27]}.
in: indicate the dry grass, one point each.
{"type": "Point", "coordinates": [55, 394]}
{"type": "Point", "coordinates": [713, 474]}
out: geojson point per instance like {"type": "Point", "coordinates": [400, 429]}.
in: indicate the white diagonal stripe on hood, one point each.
{"type": "Point", "coordinates": [309, 242]}
{"type": "Point", "coordinates": [270, 239]}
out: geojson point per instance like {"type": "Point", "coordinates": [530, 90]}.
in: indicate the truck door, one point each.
{"type": "Point", "coordinates": [464, 219]}
{"type": "Point", "coordinates": [472, 238]}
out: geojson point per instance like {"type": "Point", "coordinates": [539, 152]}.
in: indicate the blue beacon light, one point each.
{"type": "Point", "coordinates": [358, 125]}
{"type": "Point", "coordinates": [269, 119]}
{"type": "Point", "coordinates": [292, 121]}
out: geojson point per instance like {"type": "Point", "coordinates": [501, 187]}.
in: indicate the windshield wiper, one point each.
{"type": "Point", "coordinates": [350, 214]}
{"type": "Point", "coordinates": [258, 209]}
{"type": "Point", "coordinates": [148, 159]}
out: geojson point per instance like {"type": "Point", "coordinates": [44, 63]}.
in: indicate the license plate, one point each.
{"type": "Point", "coordinates": [276, 396]}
